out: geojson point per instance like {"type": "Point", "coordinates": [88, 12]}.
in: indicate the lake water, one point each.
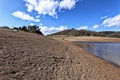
{"type": "Point", "coordinates": [107, 50]}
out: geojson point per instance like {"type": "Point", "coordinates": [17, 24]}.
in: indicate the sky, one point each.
{"type": "Point", "coordinates": [57, 15]}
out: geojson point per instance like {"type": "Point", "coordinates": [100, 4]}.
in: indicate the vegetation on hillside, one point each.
{"type": "Point", "coordinates": [69, 32]}
{"type": "Point", "coordinates": [74, 32]}
{"type": "Point", "coordinates": [5, 27]}
{"type": "Point", "coordinates": [116, 34]}
{"type": "Point", "coordinates": [33, 28]}
{"type": "Point", "coordinates": [79, 33]}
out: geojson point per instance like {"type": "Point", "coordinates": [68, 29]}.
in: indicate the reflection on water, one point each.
{"type": "Point", "coordinates": [107, 50]}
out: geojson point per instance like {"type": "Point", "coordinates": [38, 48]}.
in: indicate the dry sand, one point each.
{"type": "Point", "coordinates": [28, 56]}
{"type": "Point", "coordinates": [89, 39]}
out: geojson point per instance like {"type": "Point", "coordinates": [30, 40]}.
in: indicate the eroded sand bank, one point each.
{"type": "Point", "coordinates": [28, 56]}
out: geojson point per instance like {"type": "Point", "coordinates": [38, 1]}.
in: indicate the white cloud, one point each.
{"type": "Point", "coordinates": [41, 24]}
{"type": "Point", "coordinates": [37, 16]}
{"type": "Point", "coordinates": [104, 17]}
{"type": "Point", "coordinates": [95, 26]}
{"type": "Point", "coordinates": [49, 30]}
{"type": "Point", "coordinates": [30, 7]}
{"type": "Point", "coordinates": [67, 4]}
{"type": "Point", "coordinates": [112, 21]}
{"type": "Point", "coordinates": [44, 7]}
{"type": "Point", "coordinates": [36, 20]}
{"type": "Point", "coordinates": [32, 24]}
{"type": "Point", "coordinates": [49, 7]}
{"type": "Point", "coordinates": [30, 4]}
{"type": "Point", "coordinates": [24, 16]}
{"type": "Point", "coordinates": [82, 27]}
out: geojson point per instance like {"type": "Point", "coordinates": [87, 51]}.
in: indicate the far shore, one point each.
{"type": "Point", "coordinates": [85, 38]}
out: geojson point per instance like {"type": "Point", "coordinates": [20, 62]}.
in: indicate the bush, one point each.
{"type": "Point", "coordinates": [116, 35]}
{"type": "Point", "coordinates": [39, 32]}
{"type": "Point", "coordinates": [24, 28]}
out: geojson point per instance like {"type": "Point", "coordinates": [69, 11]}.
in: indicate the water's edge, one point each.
{"type": "Point", "coordinates": [77, 43]}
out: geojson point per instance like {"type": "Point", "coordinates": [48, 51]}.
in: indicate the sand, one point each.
{"type": "Point", "coordinates": [29, 56]}
{"type": "Point", "coordinates": [87, 39]}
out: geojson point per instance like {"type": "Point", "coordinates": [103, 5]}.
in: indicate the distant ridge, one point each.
{"type": "Point", "coordinates": [74, 32]}
{"type": "Point", "coordinates": [79, 33]}
{"type": "Point", "coordinates": [6, 27]}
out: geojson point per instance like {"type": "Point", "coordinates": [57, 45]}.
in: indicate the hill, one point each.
{"type": "Point", "coordinates": [74, 32]}
{"type": "Point", "coordinates": [30, 56]}
{"type": "Point", "coordinates": [117, 34]}
{"type": "Point", "coordinates": [111, 34]}
{"type": "Point", "coordinates": [78, 33]}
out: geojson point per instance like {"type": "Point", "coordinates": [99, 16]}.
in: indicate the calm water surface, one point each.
{"type": "Point", "coordinates": [108, 50]}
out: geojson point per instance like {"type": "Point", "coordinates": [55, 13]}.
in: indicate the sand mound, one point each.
{"type": "Point", "coordinates": [29, 56]}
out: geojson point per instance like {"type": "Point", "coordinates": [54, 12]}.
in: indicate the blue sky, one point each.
{"type": "Point", "coordinates": [56, 15]}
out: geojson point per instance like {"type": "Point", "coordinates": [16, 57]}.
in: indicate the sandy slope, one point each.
{"type": "Point", "coordinates": [92, 39]}
{"type": "Point", "coordinates": [28, 56]}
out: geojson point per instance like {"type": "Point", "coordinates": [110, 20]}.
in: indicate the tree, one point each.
{"type": "Point", "coordinates": [39, 32]}
{"type": "Point", "coordinates": [20, 28]}
{"type": "Point", "coordinates": [34, 29]}
{"type": "Point", "coordinates": [24, 28]}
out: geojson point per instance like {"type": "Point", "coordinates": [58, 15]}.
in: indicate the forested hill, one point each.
{"type": "Point", "coordinates": [74, 32]}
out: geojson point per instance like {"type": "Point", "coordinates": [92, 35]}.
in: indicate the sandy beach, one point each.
{"type": "Point", "coordinates": [85, 38]}
{"type": "Point", "coordinates": [29, 56]}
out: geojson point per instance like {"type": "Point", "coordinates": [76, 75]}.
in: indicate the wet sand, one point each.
{"type": "Point", "coordinates": [28, 56]}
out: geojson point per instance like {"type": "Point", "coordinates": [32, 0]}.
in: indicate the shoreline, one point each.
{"type": "Point", "coordinates": [71, 40]}
{"type": "Point", "coordinates": [85, 38]}
{"type": "Point", "coordinates": [93, 39]}
{"type": "Point", "coordinates": [107, 61]}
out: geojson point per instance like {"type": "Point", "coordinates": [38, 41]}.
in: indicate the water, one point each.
{"type": "Point", "coordinates": [107, 50]}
